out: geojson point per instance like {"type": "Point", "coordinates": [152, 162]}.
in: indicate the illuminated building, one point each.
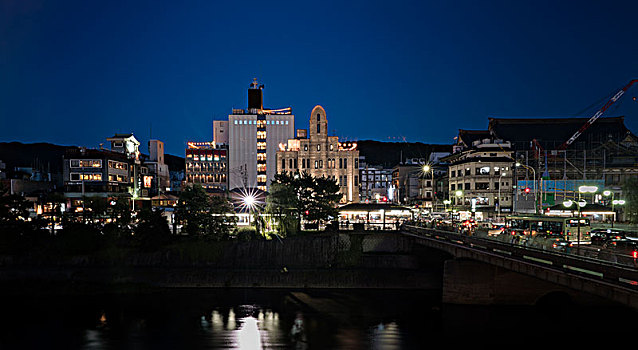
{"type": "Point", "coordinates": [254, 135]}
{"type": "Point", "coordinates": [207, 165]}
{"type": "Point", "coordinates": [158, 169]}
{"type": "Point", "coordinates": [375, 182]}
{"type": "Point", "coordinates": [318, 154]}
{"type": "Point", "coordinates": [220, 132]}
{"type": "Point", "coordinates": [480, 175]}
{"type": "Point", "coordinates": [96, 173]}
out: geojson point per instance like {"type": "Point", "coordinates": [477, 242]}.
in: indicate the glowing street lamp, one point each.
{"type": "Point", "coordinates": [427, 168]}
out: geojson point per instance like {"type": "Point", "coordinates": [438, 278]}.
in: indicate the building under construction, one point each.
{"type": "Point", "coordinates": [605, 154]}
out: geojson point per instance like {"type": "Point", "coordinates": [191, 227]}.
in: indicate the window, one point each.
{"type": "Point", "coordinates": [482, 185]}
{"type": "Point", "coordinates": [452, 187]}
{"type": "Point", "coordinates": [321, 164]}
{"type": "Point", "coordinates": [303, 163]}
{"type": "Point", "coordinates": [318, 128]}
{"type": "Point", "coordinates": [467, 186]}
{"type": "Point", "coordinates": [345, 163]}
{"type": "Point", "coordinates": [283, 163]}
{"type": "Point", "coordinates": [305, 147]}
{"type": "Point", "coordinates": [483, 170]}
{"type": "Point", "coordinates": [316, 164]}
{"type": "Point", "coordinates": [318, 117]}
{"type": "Point", "coordinates": [453, 173]}
{"type": "Point", "coordinates": [318, 148]}
{"type": "Point", "coordinates": [290, 163]}
{"type": "Point", "coordinates": [340, 163]}
{"type": "Point", "coordinates": [356, 180]}
{"type": "Point", "coordinates": [356, 163]}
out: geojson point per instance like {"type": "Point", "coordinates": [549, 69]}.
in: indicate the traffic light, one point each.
{"type": "Point", "coordinates": [307, 212]}
{"type": "Point", "coordinates": [526, 190]}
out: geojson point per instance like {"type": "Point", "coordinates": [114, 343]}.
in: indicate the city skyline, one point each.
{"type": "Point", "coordinates": [82, 72]}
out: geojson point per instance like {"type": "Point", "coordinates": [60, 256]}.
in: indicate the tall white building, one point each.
{"type": "Point", "coordinates": [254, 135]}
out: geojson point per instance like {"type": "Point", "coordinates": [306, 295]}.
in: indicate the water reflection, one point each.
{"type": "Point", "coordinates": [235, 319]}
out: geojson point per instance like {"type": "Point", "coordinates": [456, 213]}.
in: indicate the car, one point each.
{"type": "Point", "coordinates": [562, 245]}
{"type": "Point", "coordinates": [603, 235]}
{"type": "Point", "coordinates": [623, 246]}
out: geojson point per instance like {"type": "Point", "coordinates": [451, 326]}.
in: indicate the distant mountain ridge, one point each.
{"type": "Point", "coordinates": [389, 154]}
{"type": "Point", "coordinates": [48, 156]}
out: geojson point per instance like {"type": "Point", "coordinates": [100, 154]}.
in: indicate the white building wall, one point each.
{"type": "Point", "coordinates": [242, 144]}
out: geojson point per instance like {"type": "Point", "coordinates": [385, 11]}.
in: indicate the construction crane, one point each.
{"type": "Point", "coordinates": [597, 115]}
{"type": "Point", "coordinates": [536, 145]}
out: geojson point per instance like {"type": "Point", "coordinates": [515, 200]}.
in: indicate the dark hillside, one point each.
{"type": "Point", "coordinates": [390, 154]}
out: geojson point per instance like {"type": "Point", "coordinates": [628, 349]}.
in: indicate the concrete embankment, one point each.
{"type": "Point", "coordinates": [321, 261]}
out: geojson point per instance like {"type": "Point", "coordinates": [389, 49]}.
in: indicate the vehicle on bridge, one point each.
{"type": "Point", "coordinates": [604, 235]}
{"type": "Point", "coordinates": [543, 230]}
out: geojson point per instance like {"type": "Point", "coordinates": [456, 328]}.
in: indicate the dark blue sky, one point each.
{"type": "Point", "coordinates": [76, 72]}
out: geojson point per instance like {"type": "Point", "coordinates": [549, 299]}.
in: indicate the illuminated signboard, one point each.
{"type": "Point", "coordinates": [147, 181]}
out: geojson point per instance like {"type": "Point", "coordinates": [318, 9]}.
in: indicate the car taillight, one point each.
{"type": "Point", "coordinates": [634, 254]}
{"type": "Point", "coordinates": [617, 237]}
{"type": "Point", "coordinates": [554, 245]}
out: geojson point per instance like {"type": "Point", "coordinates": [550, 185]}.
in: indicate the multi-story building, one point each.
{"type": "Point", "coordinates": [318, 154]}
{"type": "Point", "coordinates": [375, 181]}
{"type": "Point", "coordinates": [480, 175]}
{"type": "Point", "coordinates": [100, 173]}
{"type": "Point", "coordinates": [254, 135]}
{"type": "Point", "coordinates": [405, 181]}
{"type": "Point", "coordinates": [157, 167]}
{"type": "Point", "coordinates": [220, 132]}
{"type": "Point", "coordinates": [207, 165]}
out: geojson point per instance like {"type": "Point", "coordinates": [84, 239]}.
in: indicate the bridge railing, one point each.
{"type": "Point", "coordinates": [577, 261]}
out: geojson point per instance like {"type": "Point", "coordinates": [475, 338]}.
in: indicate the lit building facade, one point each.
{"type": "Point", "coordinates": [375, 181]}
{"type": "Point", "coordinates": [207, 165]}
{"type": "Point", "coordinates": [254, 135]}
{"type": "Point", "coordinates": [318, 154]}
{"type": "Point", "coordinates": [480, 175]}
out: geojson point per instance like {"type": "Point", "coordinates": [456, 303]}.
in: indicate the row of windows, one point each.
{"type": "Point", "coordinates": [206, 178]}
{"type": "Point", "coordinates": [86, 163]}
{"type": "Point", "coordinates": [205, 166]}
{"type": "Point", "coordinates": [85, 177]}
{"type": "Point", "coordinates": [484, 170]}
{"type": "Point", "coordinates": [118, 165]}
{"type": "Point", "coordinates": [117, 178]}
{"type": "Point", "coordinates": [478, 186]}
{"type": "Point", "coordinates": [254, 122]}
{"type": "Point", "coordinates": [365, 178]}
{"type": "Point", "coordinates": [306, 164]}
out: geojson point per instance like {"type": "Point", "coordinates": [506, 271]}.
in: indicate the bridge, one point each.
{"type": "Point", "coordinates": [489, 271]}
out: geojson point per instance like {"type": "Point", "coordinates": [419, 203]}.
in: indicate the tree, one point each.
{"type": "Point", "coordinates": [314, 199]}
{"type": "Point", "coordinates": [630, 191]}
{"type": "Point", "coordinates": [204, 216]}
{"type": "Point", "coordinates": [282, 203]}
{"type": "Point", "coordinates": [152, 230]}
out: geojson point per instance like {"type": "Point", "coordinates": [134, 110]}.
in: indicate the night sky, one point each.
{"type": "Point", "coordinates": [76, 72]}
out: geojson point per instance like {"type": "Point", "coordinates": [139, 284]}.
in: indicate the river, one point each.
{"type": "Point", "coordinates": [264, 319]}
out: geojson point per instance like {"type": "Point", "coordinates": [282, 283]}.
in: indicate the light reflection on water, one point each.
{"type": "Point", "coordinates": [264, 320]}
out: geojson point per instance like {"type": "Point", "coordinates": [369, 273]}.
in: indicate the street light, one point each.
{"type": "Point", "coordinates": [579, 205]}
{"type": "Point", "coordinates": [608, 193]}
{"type": "Point", "coordinates": [499, 194]}
{"type": "Point", "coordinates": [534, 176]}
{"type": "Point", "coordinates": [427, 168]}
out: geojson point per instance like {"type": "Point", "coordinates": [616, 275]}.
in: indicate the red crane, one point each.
{"type": "Point", "coordinates": [597, 115]}
{"type": "Point", "coordinates": [538, 148]}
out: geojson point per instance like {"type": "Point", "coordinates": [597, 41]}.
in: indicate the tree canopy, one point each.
{"type": "Point", "coordinates": [203, 215]}
{"type": "Point", "coordinates": [302, 196]}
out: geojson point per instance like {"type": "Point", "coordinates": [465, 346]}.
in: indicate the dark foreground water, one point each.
{"type": "Point", "coordinates": [264, 319]}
